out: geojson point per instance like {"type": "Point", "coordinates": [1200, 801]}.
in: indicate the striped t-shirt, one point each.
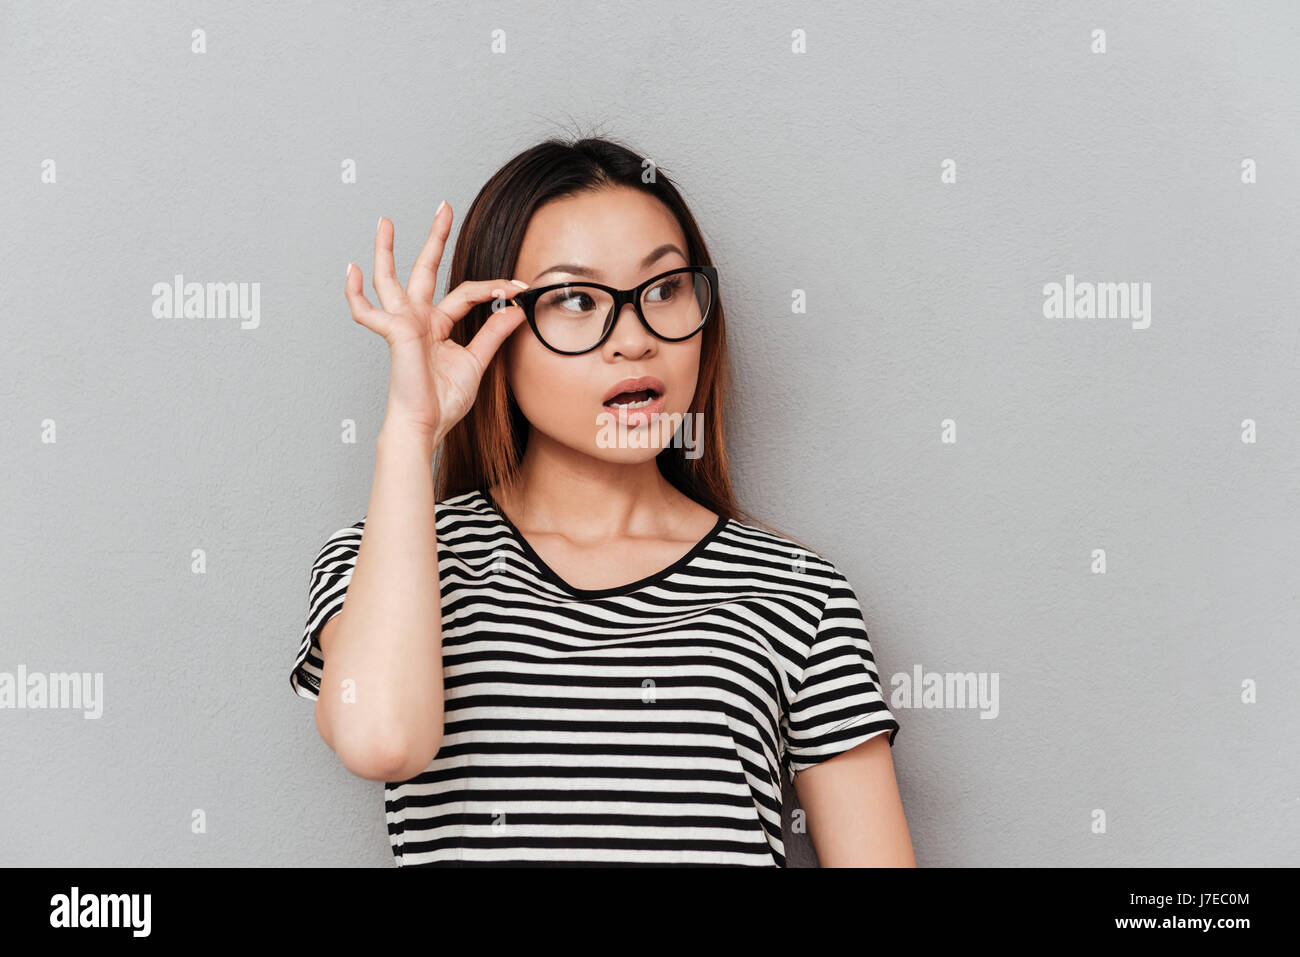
{"type": "Point", "coordinates": [645, 724]}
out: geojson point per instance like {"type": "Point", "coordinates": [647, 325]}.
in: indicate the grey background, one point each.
{"type": "Point", "coordinates": [818, 172]}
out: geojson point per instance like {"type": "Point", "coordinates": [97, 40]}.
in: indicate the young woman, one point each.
{"type": "Point", "coordinates": [572, 648]}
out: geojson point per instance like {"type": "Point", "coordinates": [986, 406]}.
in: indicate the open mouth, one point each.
{"type": "Point", "coordinates": [632, 400]}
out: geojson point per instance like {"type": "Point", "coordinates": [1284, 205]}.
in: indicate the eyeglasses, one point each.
{"type": "Point", "coordinates": [572, 318]}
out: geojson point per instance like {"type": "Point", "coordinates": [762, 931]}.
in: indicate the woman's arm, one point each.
{"type": "Point", "coordinates": [854, 811]}
{"type": "Point", "coordinates": [380, 700]}
{"type": "Point", "coordinates": [386, 724]}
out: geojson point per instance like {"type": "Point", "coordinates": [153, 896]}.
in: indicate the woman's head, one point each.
{"type": "Point", "coordinates": [597, 211]}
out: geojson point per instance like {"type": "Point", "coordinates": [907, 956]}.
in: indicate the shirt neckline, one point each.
{"type": "Point", "coordinates": [551, 576]}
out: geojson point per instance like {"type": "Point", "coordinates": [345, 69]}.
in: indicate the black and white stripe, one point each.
{"type": "Point", "coordinates": [641, 725]}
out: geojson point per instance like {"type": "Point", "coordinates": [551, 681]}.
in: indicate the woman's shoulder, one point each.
{"type": "Point", "coordinates": [468, 503]}
{"type": "Point", "coordinates": [466, 516]}
{"type": "Point", "coordinates": [749, 539]}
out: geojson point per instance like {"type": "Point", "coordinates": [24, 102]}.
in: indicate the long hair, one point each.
{"type": "Point", "coordinates": [486, 447]}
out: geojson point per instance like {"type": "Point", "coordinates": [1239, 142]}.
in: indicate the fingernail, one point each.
{"type": "Point", "coordinates": [349, 270]}
{"type": "Point", "coordinates": [521, 285]}
{"type": "Point", "coordinates": [439, 209]}
{"type": "Point", "coordinates": [378, 224]}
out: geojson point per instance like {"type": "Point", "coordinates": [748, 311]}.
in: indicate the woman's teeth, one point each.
{"type": "Point", "coordinates": [639, 403]}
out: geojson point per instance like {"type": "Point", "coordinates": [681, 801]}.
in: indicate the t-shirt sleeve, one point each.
{"type": "Point", "coordinates": [838, 702]}
{"type": "Point", "coordinates": [330, 574]}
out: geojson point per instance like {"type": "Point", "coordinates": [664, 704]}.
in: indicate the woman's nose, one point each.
{"type": "Point", "coordinates": [629, 336]}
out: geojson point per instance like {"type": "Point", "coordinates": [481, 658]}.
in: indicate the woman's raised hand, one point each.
{"type": "Point", "coordinates": [432, 380]}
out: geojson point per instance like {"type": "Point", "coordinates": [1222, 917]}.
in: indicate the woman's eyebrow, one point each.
{"type": "Point", "coordinates": [577, 269]}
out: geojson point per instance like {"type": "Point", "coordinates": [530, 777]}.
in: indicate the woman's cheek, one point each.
{"type": "Point", "coordinates": [685, 380]}
{"type": "Point", "coordinates": [553, 400]}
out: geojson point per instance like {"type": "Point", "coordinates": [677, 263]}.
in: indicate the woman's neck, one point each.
{"type": "Point", "coordinates": [560, 490]}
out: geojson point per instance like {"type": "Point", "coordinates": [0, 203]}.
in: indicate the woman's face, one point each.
{"type": "Point", "coordinates": [620, 236]}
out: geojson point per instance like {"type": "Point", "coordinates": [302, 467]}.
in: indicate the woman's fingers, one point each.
{"type": "Point", "coordinates": [376, 320]}
{"type": "Point", "coordinates": [493, 332]}
{"type": "Point", "coordinates": [385, 279]}
{"type": "Point", "coordinates": [424, 274]}
{"type": "Point", "coordinates": [456, 304]}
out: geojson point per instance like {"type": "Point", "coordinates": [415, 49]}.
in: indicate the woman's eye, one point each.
{"type": "Point", "coordinates": [668, 287]}
{"type": "Point", "coordinates": [572, 301]}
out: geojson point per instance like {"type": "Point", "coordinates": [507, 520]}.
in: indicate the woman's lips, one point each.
{"type": "Point", "coordinates": [635, 418]}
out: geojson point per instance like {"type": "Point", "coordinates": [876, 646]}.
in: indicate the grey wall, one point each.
{"type": "Point", "coordinates": [1119, 692]}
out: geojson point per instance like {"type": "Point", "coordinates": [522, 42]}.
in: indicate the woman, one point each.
{"type": "Point", "coordinates": [571, 648]}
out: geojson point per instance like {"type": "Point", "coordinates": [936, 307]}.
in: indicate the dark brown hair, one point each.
{"type": "Point", "coordinates": [485, 448]}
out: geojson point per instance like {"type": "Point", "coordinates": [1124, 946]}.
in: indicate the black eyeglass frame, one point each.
{"type": "Point", "coordinates": [526, 299]}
